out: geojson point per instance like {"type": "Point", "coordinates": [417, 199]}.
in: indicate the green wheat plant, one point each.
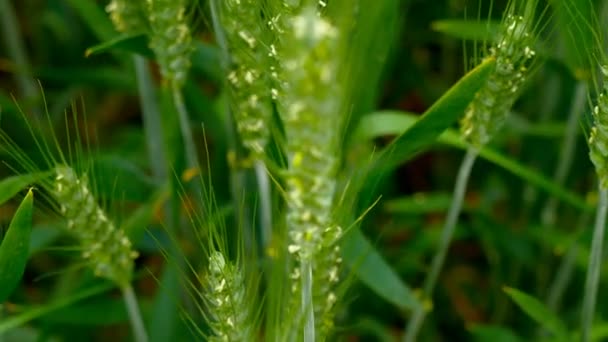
{"type": "Point", "coordinates": [514, 51]}
{"type": "Point", "coordinates": [104, 247]}
{"type": "Point", "coordinates": [597, 154]}
{"type": "Point", "coordinates": [279, 170]}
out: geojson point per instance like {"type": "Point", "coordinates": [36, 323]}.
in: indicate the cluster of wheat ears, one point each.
{"type": "Point", "coordinates": [288, 69]}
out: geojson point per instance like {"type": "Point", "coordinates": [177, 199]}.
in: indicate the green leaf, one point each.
{"type": "Point", "coordinates": [135, 226]}
{"type": "Point", "coordinates": [391, 123]}
{"type": "Point", "coordinates": [467, 29]}
{"type": "Point", "coordinates": [116, 177]}
{"type": "Point", "coordinates": [576, 34]}
{"type": "Point", "coordinates": [492, 333]}
{"type": "Point", "coordinates": [94, 16]}
{"type": "Point", "coordinates": [369, 266]}
{"type": "Point", "coordinates": [14, 248]}
{"type": "Point", "coordinates": [32, 313]}
{"type": "Point", "coordinates": [164, 317]}
{"type": "Point", "coordinates": [538, 312]}
{"type": "Point", "coordinates": [137, 43]}
{"type": "Point", "coordinates": [420, 203]}
{"type": "Point", "coordinates": [442, 114]}
{"type": "Point", "coordinates": [11, 186]}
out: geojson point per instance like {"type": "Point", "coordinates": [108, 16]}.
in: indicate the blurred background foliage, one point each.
{"type": "Point", "coordinates": [518, 224]}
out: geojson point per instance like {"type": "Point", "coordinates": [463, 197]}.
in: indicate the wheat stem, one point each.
{"type": "Point", "coordinates": [186, 130]}
{"type": "Point", "coordinates": [265, 198]}
{"type": "Point", "coordinates": [446, 237]}
{"type": "Point", "coordinates": [564, 273]}
{"type": "Point", "coordinates": [1, 318]}
{"type": "Point", "coordinates": [308, 311]}
{"type": "Point", "coordinates": [135, 317]}
{"type": "Point", "coordinates": [548, 215]}
{"type": "Point", "coordinates": [594, 266]}
{"type": "Point", "coordinates": [151, 118]}
{"type": "Point", "coordinates": [16, 50]}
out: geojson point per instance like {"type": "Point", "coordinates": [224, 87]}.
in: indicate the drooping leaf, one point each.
{"type": "Point", "coordinates": [373, 271]}
{"type": "Point", "coordinates": [419, 203]}
{"type": "Point", "coordinates": [31, 313]}
{"type": "Point", "coordinates": [493, 333]}
{"type": "Point", "coordinates": [467, 29]}
{"type": "Point", "coordinates": [440, 116]}
{"type": "Point", "coordinates": [538, 312]}
{"type": "Point", "coordinates": [11, 186]}
{"type": "Point", "coordinates": [137, 43]}
{"type": "Point", "coordinates": [14, 248]}
{"type": "Point", "coordinates": [392, 123]}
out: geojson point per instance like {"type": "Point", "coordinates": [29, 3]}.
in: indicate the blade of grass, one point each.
{"type": "Point", "coordinates": [593, 269]}
{"type": "Point", "coordinates": [16, 50]}
{"type": "Point", "coordinates": [372, 270]}
{"type": "Point", "coordinates": [14, 250]}
{"type": "Point", "coordinates": [11, 186]}
{"type": "Point", "coordinates": [389, 123]}
{"type": "Point", "coordinates": [39, 311]}
{"type": "Point", "coordinates": [440, 116]}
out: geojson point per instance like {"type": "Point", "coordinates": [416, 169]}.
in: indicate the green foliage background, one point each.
{"type": "Point", "coordinates": [524, 222]}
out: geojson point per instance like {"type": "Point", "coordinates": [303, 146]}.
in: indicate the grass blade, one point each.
{"type": "Point", "coordinates": [538, 312]}
{"type": "Point", "coordinates": [372, 270]}
{"type": "Point", "coordinates": [389, 123]}
{"type": "Point", "coordinates": [11, 186]}
{"type": "Point", "coordinates": [15, 246]}
{"type": "Point", "coordinates": [442, 114]}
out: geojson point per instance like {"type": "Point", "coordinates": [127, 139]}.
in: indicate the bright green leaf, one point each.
{"type": "Point", "coordinates": [391, 123]}
{"type": "Point", "coordinates": [467, 29]}
{"type": "Point", "coordinates": [137, 43]}
{"type": "Point", "coordinates": [442, 114]}
{"type": "Point", "coordinates": [11, 186]}
{"type": "Point", "coordinates": [14, 247]}
{"type": "Point", "coordinates": [492, 333]}
{"type": "Point", "coordinates": [420, 203]}
{"type": "Point", "coordinates": [32, 313]}
{"type": "Point", "coordinates": [369, 266]}
{"type": "Point", "coordinates": [538, 312]}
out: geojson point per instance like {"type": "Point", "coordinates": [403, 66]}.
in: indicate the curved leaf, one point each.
{"type": "Point", "coordinates": [440, 116]}
{"type": "Point", "coordinates": [11, 186]}
{"type": "Point", "coordinates": [538, 312]}
{"type": "Point", "coordinates": [14, 247]}
{"type": "Point", "coordinates": [369, 266]}
{"type": "Point", "coordinates": [392, 122]}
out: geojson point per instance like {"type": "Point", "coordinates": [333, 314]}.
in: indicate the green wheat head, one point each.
{"type": "Point", "coordinates": [230, 312]}
{"type": "Point", "coordinates": [514, 52]}
{"type": "Point", "coordinates": [105, 248]}
{"type": "Point", "coordinates": [128, 16]}
{"type": "Point", "coordinates": [170, 39]}
{"type": "Point", "coordinates": [250, 51]}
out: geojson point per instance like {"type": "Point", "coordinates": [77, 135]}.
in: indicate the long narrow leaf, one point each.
{"type": "Point", "coordinates": [391, 123]}
{"type": "Point", "coordinates": [373, 271]}
{"type": "Point", "coordinates": [435, 120]}
{"type": "Point", "coordinates": [15, 246]}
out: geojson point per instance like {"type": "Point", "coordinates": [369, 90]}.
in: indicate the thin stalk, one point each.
{"type": "Point", "coordinates": [566, 157]}
{"type": "Point", "coordinates": [462, 180]}
{"type": "Point", "coordinates": [151, 118]}
{"type": "Point", "coordinates": [594, 266]}
{"type": "Point", "coordinates": [308, 311]}
{"type": "Point", "coordinates": [184, 125]}
{"type": "Point", "coordinates": [565, 271]}
{"type": "Point", "coordinates": [16, 50]}
{"type": "Point", "coordinates": [237, 177]}
{"type": "Point", "coordinates": [137, 322]}
{"type": "Point", "coordinates": [1, 317]}
{"type": "Point", "coordinates": [265, 210]}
